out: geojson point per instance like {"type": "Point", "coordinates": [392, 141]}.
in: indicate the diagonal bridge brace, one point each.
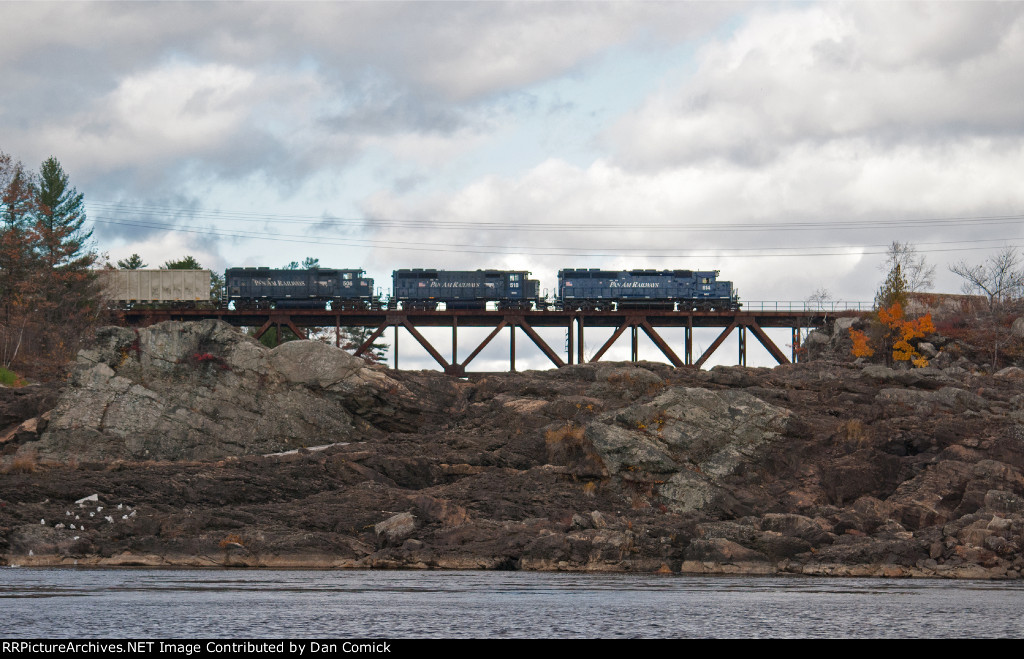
{"type": "Point", "coordinates": [660, 342]}
{"type": "Point", "coordinates": [714, 345]}
{"type": "Point", "coordinates": [502, 325]}
{"type": "Point", "coordinates": [540, 343]}
{"type": "Point", "coordinates": [767, 342]}
{"type": "Point", "coordinates": [368, 343]}
{"type": "Point", "coordinates": [404, 322]}
{"type": "Point", "coordinates": [651, 333]}
{"type": "Point", "coordinates": [426, 345]}
{"type": "Point", "coordinates": [279, 320]}
{"type": "Point", "coordinates": [611, 340]}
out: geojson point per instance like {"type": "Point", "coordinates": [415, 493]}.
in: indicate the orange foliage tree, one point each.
{"type": "Point", "coordinates": [896, 333]}
{"type": "Point", "coordinates": [860, 344]}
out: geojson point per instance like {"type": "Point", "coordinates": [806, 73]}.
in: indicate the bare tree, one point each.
{"type": "Point", "coordinates": [819, 299]}
{"type": "Point", "coordinates": [1000, 278]}
{"type": "Point", "coordinates": [914, 267]}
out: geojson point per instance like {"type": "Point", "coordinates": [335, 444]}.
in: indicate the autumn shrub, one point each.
{"type": "Point", "coordinates": [893, 333]}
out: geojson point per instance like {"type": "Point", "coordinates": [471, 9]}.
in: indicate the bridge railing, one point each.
{"type": "Point", "coordinates": [801, 305]}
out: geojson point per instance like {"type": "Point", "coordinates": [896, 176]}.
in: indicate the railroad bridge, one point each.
{"type": "Point", "coordinates": [754, 318]}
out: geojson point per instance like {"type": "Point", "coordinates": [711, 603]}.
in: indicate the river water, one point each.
{"type": "Point", "coordinates": [144, 603]}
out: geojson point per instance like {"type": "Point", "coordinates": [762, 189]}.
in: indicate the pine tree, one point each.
{"type": "Point", "coordinates": [187, 262]}
{"type": "Point", "coordinates": [893, 290]}
{"type": "Point", "coordinates": [65, 294]}
{"type": "Point", "coordinates": [17, 256]}
{"type": "Point", "coordinates": [60, 220]}
{"type": "Point", "coordinates": [133, 262]}
{"type": "Point", "coordinates": [17, 199]}
{"type": "Point", "coordinates": [18, 193]}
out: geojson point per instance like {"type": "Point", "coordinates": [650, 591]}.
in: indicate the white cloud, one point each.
{"type": "Point", "coordinates": [887, 73]}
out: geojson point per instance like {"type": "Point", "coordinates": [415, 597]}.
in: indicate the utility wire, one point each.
{"type": "Point", "coordinates": [843, 250]}
{"type": "Point", "coordinates": [114, 208]}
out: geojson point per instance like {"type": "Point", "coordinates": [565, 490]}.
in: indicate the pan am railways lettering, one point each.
{"type": "Point", "coordinates": [635, 284]}
{"type": "Point", "coordinates": [455, 284]}
{"type": "Point", "coordinates": [282, 282]}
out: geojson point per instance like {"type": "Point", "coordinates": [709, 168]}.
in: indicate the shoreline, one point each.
{"type": "Point", "coordinates": [685, 568]}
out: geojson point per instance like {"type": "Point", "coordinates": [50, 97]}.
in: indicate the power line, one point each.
{"type": "Point", "coordinates": [843, 250]}
{"type": "Point", "coordinates": [115, 208]}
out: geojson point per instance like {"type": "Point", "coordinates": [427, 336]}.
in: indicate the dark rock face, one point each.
{"type": "Point", "coordinates": [196, 441]}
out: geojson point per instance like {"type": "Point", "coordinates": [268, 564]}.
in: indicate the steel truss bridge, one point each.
{"type": "Point", "coordinates": [749, 320]}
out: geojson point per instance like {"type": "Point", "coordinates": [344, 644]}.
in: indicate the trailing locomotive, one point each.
{"type": "Point", "coordinates": [465, 289]}
{"type": "Point", "coordinates": [261, 288]}
{"type": "Point", "coordinates": [685, 290]}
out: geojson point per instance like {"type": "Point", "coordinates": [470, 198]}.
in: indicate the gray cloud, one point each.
{"type": "Point", "coordinates": [297, 85]}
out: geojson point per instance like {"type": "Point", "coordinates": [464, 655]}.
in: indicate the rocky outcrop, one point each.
{"type": "Point", "coordinates": [190, 444]}
{"type": "Point", "coordinates": [196, 391]}
{"type": "Point", "coordinates": [685, 441]}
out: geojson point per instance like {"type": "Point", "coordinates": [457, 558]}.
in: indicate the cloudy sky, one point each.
{"type": "Point", "coordinates": [785, 144]}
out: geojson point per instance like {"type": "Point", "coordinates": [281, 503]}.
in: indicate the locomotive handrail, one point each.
{"type": "Point", "coordinates": [802, 305]}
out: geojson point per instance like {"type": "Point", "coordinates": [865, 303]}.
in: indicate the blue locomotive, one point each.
{"type": "Point", "coordinates": [682, 290]}
{"type": "Point", "coordinates": [465, 289]}
{"type": "Point", "coordinates": [263, 288]}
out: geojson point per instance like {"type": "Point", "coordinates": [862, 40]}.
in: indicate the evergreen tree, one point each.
{"type": "Point", "coordinates": [60, 220]}
{"type": "Point", "coordinates": [892, 291]}
{"type": "Point", "coordinates": [17, 199]}
{"type": "Point", "coordinates": [61, 300]}
{"type": "Point", "coordinates": [187, 262]}
{"type": "Point", "coordinates": [133, 262]}
{"type": "Point", "coordinates": [17, 193]}
{"type": "Point", "coordinates": [17, 257]}
{"type": "Point", "coordinates": [308, 263]}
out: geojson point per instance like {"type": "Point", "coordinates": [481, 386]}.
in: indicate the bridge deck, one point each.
{"type": "Point", "coordinates": [575, 323]}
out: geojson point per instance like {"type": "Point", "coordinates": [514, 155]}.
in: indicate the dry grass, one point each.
{"type": "Point", "coordinates": [569, 433]}
{"type": "Point", "coordinates": [854, 433]}
{"type": "Point", "coordinates": [232, 540]}
{"type": "Point", "coordinates": [23, 464]}
{"type": "Point", "coordinates": [568, 446]}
